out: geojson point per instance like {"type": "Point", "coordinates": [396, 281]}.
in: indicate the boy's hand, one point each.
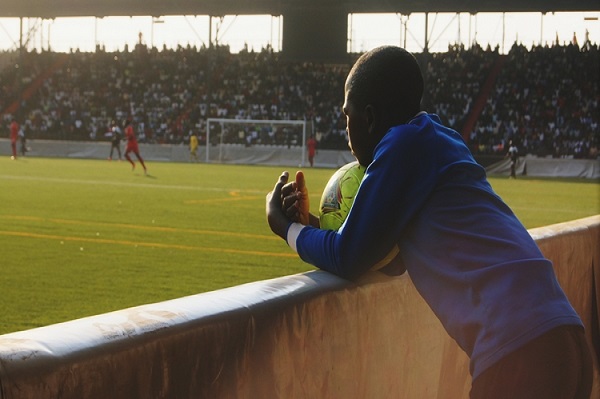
{"type": "Point", "coordinates": [290, 198]}
{"type": "Point", "coordinates": [278, 221]}
{"type": "Point", "coordinates": [295, 201]}
{"type": "Point", "coordinates": [288, 202]}
{"type": "Point", "coordinates": [303, 200]}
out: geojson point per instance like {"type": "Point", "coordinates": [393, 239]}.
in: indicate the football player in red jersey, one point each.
{"type": "Point", "coordinates": [132, 145]}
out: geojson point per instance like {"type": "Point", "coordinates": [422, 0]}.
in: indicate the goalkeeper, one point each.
{"type": "Point", "coordinates": [425, 201]}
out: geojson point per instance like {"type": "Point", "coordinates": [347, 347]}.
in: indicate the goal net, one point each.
{"type": "Point", "coordinates": [249, 141]}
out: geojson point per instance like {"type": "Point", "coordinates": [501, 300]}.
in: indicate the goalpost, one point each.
{"type": "Point", "coordinates": [256, 141]}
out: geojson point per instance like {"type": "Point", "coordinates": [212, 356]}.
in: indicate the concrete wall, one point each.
{"type": "Point", "coordinates": [549, 167]}
{"type": "Point", "coordinates": [309, 335]}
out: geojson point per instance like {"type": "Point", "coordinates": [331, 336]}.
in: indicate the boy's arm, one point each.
{"type": "Point", "coordinates": [396, 184]}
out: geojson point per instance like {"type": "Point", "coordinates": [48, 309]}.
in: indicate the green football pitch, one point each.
{"type": "Point", "coordinates": [83, 237]}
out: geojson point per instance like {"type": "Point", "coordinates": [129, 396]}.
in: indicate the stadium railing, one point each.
{"type": "Point", "coordinates": [309, 335]}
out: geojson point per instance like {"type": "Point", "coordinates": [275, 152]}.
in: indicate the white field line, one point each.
{"type": "Point", "coordinates": [122, 184]}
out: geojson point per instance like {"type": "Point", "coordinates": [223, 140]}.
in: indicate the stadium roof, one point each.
{"type": "Point", "coordinates": [102, 8]}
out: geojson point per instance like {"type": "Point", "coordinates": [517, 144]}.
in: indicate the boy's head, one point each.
{"type": "Point", "coordinates": [383, 89]}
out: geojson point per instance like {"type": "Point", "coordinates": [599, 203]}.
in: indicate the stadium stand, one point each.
{"type": "Point", "coordinates": [545, 98]}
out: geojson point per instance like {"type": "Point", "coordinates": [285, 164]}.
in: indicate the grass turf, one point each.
{"type": "Point", "coordinates": [83, 237]}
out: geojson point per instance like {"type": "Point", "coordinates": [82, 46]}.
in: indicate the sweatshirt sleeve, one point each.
{"type": "Point", "coordinates": [395, 185]}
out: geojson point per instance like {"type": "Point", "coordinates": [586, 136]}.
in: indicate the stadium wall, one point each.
{"type": "Point", "coordinates": [282, 156]}
{"type": "Point", "coordinates": [234, 153]}
{"type": "Point", "coordinates": [311, 335]}
{"type": "Point", "coordinates": [549, 167]}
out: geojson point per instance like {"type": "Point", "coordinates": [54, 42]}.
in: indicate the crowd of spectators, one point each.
{"type": "Point", "coordinates": [545, 99]}
{"type": "Point", "coordinates": [169, 94]}
{"type": "Point", "coordinates": [454, 79]}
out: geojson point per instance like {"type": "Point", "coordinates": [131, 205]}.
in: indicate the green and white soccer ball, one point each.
{"type": "Point", "coordinates": [338, 196]}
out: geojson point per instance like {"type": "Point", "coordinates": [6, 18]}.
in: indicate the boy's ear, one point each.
{"type": "Point", "coordinates": [371, 118]}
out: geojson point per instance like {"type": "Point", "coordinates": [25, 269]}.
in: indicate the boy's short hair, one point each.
{"type": "Point", "coordinates": [390, 79]}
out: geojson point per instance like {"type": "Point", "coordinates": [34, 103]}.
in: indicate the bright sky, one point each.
{"type": "Point", "coordinates": [366, 31]}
